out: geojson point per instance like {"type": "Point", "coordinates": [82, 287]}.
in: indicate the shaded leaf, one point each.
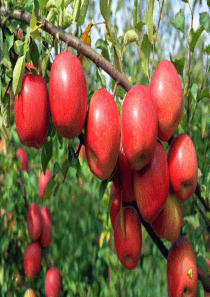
{"type": "Point", "coordinates": [178, 64]}
{"type": "Point", "coordinates": [205, 20]}
{"type": "Point", "coordinates": [130, 36]}
{"type": "Point", "coordinates": [102, 188]}
{"type": "Point", "coordinates": [104, 8]}
{"type": "Point", "coordinates": [204, 93]}
{"type": "Point", "coordinates": [139, 26]}
{"type": "Point", "coordinates": [145, 51]}
{"type": "Point", "coordinates": [194, 36]}
{"type": "Point", "coordinates": [83, 12]}
{"type": "Point", "coordinates": [76, 11]}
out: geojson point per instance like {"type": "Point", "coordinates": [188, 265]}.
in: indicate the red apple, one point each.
{"type": "Point", "coordinates": [20, 33]}
{"type": "Point", "coordinates": [20, 153]}
{"type": "Point", "coordinates": [115, 195]}
{"type": "Point", "coordinates": [151, 185]}
{"type": "Point", "coordinates": [46, 235]}
{"type": "Point", "coordinates": [29, 293]}
{"type": "Point", "coordinates": [124, 176]}
{"type": "Point", "coordinates": [52, 282]}
{"type": "Point", "coordinates": [138, 126]}
{"type": "Point", "coordinates": [167, 94]}
{"type": "Point", "coordinates": [168, 224]}
{"type": "Point", "coordinates": [32, 111]}
{"type": "Point", "coordinates": [68, 95]}
{"type": "Point", "coordinates": [102, 134]}
{"type": "Point", "coordinates": [34, 221]}
{"type": "Point", "coordinates": [32, 259]}
{"type": "Point", "coordinates": [128, 248]}
{"type": "Point", "coordinates": [182, 273]}
{"type": "Point", "coordinates": [43, 181]}
{"type": "Point", "coordinates": [183, 166]}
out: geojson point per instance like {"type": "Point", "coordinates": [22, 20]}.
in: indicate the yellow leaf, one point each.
{"type": "Point", "coordinates": [87, 40]}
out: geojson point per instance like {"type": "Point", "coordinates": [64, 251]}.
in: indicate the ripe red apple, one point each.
{"type": "Point", "coordinates": [151, 185]}
{"type": "Point", "coordinates": [21, 153]}
{"type": "Point", "coordinates": [115, 195]}
{"type": "Point", "coordinates": [168, 224]}
{"type": "Point", "coordinates": [183, 166]}
{"type": "Point", "coordinates": [43, 181]}
{"type": "Point", "coordinates": [68, 95]}
{"type": "Point", "coordinates": [34, 221]}
{"type": "Point", "coordinates": [139, 126]}
{"type": "Point", "coordinates": [52, 282]}
{"type": "Point", "coordinates": [46, 235]}
{"type": "Point", "coordinates": [32, 259]}
{"type": "Point", "coordinates": [124, 176]}
{"type": "Point", "coordinates": [182, 273]}
{"type": "Point", "coordinates": [32, 111]}
{"type": "Point", "coordinates": [128, 248]}
{"type": "Point", "coordinates": [29, 293]}
{"type": "Point", "coordinates": [167, 94]}
{"type": "Point", "coordinates": [20, 33]}
{"type": "Point", "coordinates": [102, 134]}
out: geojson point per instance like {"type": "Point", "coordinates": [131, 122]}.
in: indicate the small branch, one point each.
{"type": "Point", "coordinates": [205, 202]}
{"type": "Point", "coordinates": [73, 42]}
{"type": "Point", "coordinates": [202, 212]}
{"type": "Point", "coordinates": [48, 262]}
{"type": "Point", "coordinates": [155, 39]}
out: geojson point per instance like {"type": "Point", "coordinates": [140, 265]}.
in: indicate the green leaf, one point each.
{"type": "Point", "coordinates": [51, 4]}
{"type": "Point", "coordinates": [49, 189]}
{"type": "Point", "coordinates": [194, 36]}
{"type": "Point", "coordinates": [150, 20]}
{"type": "Point", "coordinates": [205, 20]}
{"type": "Point", "coordinates": [200, 290]}
{"type": "Point", "coordinates": [18, 74]}
{"type": "Point", "coordinates": [36, 7]}
{"type": "Point", "coordinates": [101, 44]}
{"type": "Point", "coordinates": [26, 46]}
{"type": "Point", "coordinates": [139, 26]}
{"type": "Point", "coordinates": [10, 40]}
{"type": "Point", "coordinates": [67, 19]}
{"type": "Point", "coordinates": [130, 36]}
{"type": "Point", "coordinates": [194, 90]}
{"type": "Point", "coordinates": [178, 64]}
{"type": "Point", "coordinates": [33, 20]}
{"type": "Point", "coordinates": [104, 8]}
{"type": "Point", "coordinates": [46, 153]}
{"type": "Point", "coordinates": [18, 47]}
{"type": "Point", "coordinates": [201, 263]}
{"type": "Point", "coordinates": [65, 167]}
{"type": "Point", "coordinates": [73, 159]}
{"type": "Point", "coordinates": [204, 93]}
{"type": "Point", "coordinates": [179, 22]}
{"type": "Point", "coordinates": [4, 242]}
{"type": "Point", "coordinates": [35, 54]}
{"type": "Point", "coordinates": [76, 11]}
{"type": "Point", "coordinates": [44, 60]}
{"type": "Point", "coordinates": [102, 188]}
{"type": "Point", "coordinates": [135, 12]}
{"type": "Point", "coordinates": [145, 51]}
{"type": "Point", "coordinates": [83, 12]}
{"type": "Point", "coordinates": [51, 17]}
{"type": "Point", "coordinates": [56, 169]}
{"type": "Point", "coordinates": [207, 50]}
{"type": "Point", "coordinates": [5, 110]}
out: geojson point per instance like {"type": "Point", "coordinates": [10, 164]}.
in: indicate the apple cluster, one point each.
{"type": "Point", "coordinates": [130, 145]}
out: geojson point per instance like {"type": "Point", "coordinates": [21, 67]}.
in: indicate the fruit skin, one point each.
{"type": "Point", "coordinates": [34, 221]}
{"type": "Point", "coordinates": [129, 248]}
{"type": "Point", "coordinates": [167, 94]}
{"type": "Point", "coordinates": [46, 235]}
{"type": "Point", "coordinates": [32, 111]}
{"type": "Point", "coordinates": [29, 293]}
{"type": "Point", "coordinates": [32, 259]}
{"type": "Point", "coordinates": [139, 126]}
{"type": "Point", "coordinates": [52, 282]}
{"type": "Point", "coordinates": [68, 95]}
{"type": "Point", "coordinates": [21, 153]}
{"type": "Point", "coordinates": [183, 166]}
{"type": "Point", "coordinates": [102, 134]}
{"type": "Point", "coordinates": [115, 195]}
{"type": "Point", "coordinates": [168, 224]}
{"type": "Point", "coordinates": [1, 145]}
{"type": "Point", "coordinates": [181, 262]}
{"type": "Point", "coordinates": [124, 176]}
{"type": "Point", "coordinates": [151, 185]}
{"type": "Point", "coordinates": [43, 181]}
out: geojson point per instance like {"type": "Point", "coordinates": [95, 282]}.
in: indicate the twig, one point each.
{"type": "Point", "coordinates": [75, 43]}
{"type": "Point", "coordinates": [21, 183]}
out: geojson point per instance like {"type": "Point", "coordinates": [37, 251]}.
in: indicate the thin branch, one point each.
{"type": "Point", "coordinates": [21, 183]}
{"type": "Point", "coordinates": [205, 202]}
{"type": "Point", "coordinates": [73, 42]}
{"type": "Point", "coordinates": [202, 213]}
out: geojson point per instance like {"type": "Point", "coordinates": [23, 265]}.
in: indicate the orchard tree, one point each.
{"type": "Point", "coordinates": [104, 148]}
